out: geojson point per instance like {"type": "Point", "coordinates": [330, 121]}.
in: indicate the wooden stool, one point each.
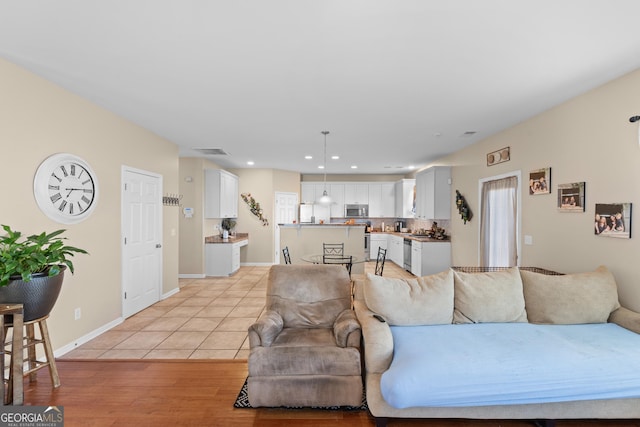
{"type": "Point", "coordinates": [30, 342]}
{"type": "Point", "coordinates": [15, 394]}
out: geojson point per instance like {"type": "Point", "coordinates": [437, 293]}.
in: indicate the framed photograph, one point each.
{"type": "Point", "coordinates": [540, 181]}
{"type": "Point", "coordinates": [499, 156]}
{"type": "Point", "coordinates": [571, 197]}
{"type": "Point", "coordinates": [613, 220]}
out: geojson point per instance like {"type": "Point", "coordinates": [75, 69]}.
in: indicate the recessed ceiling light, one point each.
{"type": "Point", "coordinates": [308, 157]}
{"type": "Point", "coordinates": [251, 163]}
{"type": "Point", "coordinates": [335, 157]}
{"type": "Point", "coordinates": [412, 167]}
{"type": "Point", "coordinates": [321, 167]}
{"type": "Point", "coordinates": [354, 167]}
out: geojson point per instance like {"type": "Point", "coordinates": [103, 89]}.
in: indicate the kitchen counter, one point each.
{"type": "Point", "coordinates": [410, 236]}
{"type": "Point", "coordinates": [239, 237]}
{"type": "Point", "coordinates": [340, 224]}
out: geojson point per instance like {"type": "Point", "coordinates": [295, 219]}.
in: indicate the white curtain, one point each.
{"type": "Point", "coordinates": [498, 234]}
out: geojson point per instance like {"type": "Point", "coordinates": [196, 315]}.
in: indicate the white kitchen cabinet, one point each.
{"type": "Point", "coordinates": [416, 258]}
{"type": "Point", "coordinates": [336, 192]}
{"type": "Point", "coordinates": [223, 259]}
{"type": "Point", "coordinates": [382, 200]}
{"type": "Point", "coordinates": [221, 194]}
{"type": "Point", "coordinates": [395, 250]}
{"type": "Point", "coordinates": [356, 194]}
{"type": "Point", "coordinates": [433, 189]}
{"type": "Point", "coordinates": [378, 240]}
{"type": "Point", "coordinates": [405, 198]}
{"type": "Point", "coordinates": [436, 258]}
{"type": "Point", "coordinates": [308, 192]}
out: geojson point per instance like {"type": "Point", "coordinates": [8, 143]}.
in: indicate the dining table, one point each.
{"type": "Point", "coordinates": [317, 258]}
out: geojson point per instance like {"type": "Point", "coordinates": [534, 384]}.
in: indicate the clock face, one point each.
{"type": "Point", "coordinates": [65, 188]}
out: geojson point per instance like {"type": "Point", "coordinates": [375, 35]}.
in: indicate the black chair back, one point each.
{"type": "Point", "coordinates": [333, 249]}
{"type": "Point", "coordinates": [382, 256]}
{"type": "Point", "coordinates": [287, 257]}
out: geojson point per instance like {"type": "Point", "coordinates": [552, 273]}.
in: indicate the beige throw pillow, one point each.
{"type": "Point", "coordinates": [489, 297]}
{"type": "Point", "coordinates": [424, 300]}
{"type": "Point", "coordinates": [570, 299]}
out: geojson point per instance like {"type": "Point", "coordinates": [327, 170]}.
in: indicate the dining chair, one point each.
{"type": "Point", "coordinates": [347, 261]}
{"type": "Point", "coordinates": [382, 256]}
{"type": "Point", "coordinates": [333, 249]}
{"type": "Point", "coordinates": [287, 257]}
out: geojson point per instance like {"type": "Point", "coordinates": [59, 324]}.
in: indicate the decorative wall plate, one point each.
{"type": "Point", "coordinates": [499, 156]}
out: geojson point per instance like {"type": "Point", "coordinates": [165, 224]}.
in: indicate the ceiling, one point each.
{"type": "Point", "coordinates": [397, 83]}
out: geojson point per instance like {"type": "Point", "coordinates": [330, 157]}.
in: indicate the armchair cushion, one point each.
{"type": "Point", "coordinates": [345, 324]}
{"type": "Point", "coordinates": [267, 328]}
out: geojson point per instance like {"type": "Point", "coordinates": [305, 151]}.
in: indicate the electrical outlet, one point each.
{"type": "Point", "coordinates": [77, 314]}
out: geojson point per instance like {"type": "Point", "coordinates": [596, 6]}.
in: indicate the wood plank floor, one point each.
{"type": "Point", "coordinates": [195, 393]}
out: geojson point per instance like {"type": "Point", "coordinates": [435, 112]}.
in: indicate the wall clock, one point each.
{"type": "Point", "coordinates": [65, 188]}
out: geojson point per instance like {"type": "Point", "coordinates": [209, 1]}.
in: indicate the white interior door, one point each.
{"type": "Point", "coordinates": [286, 212]}
{"type": "Point", "coordinates": [141, 240]}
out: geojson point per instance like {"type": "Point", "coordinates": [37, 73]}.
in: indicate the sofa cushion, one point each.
{"type": "Point", "coordinates": [572, 298]}
{"type": "Point", "coordinates": [426, 300]}
{"type": "Point", "coordinates": [489, 297]}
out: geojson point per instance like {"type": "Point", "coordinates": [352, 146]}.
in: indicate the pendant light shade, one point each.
{"type": "Point", "coordinates": [325, 199]}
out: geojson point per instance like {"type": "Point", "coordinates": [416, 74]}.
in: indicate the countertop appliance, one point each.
{"type": "Point", "coordinates": [407, 255]}
{"type": "Point", "coordinates": [399, 225]}
{"type": "Point", "coordinates": [356, 211]}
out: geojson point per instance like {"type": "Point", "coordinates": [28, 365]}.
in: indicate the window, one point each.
{"type": "Point", "coordinates": [499, 222]}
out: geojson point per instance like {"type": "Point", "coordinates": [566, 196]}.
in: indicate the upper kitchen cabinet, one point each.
{"type": "Point", "coordinates": [382, 200]}
{"type": "Point", "coordinates": [336, 192]}
{"type": "Point", "coordinates": [405, 198]}
{"type": "Point", "coordinates": [356, 194]}
{"type": "Point", "coordinates": [433, 188]}
{"type": "Point", "coordinates": [221, 194]}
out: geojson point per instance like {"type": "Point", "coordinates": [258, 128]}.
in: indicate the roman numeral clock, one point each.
{"type": "Point", "coordinates": [65, 188]}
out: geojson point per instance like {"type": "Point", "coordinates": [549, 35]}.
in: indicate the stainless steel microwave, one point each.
{"type": "Point", "coordinates": [356, 211]}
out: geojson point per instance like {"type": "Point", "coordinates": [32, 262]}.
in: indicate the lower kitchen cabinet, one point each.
{"type": "Point", "coordinates": [377, 241]}
{"type": "Point", "coordinates": [222, 259]}
{"type": "Point", "coordinates": [395, 250]}
{"type": "Point", "coordinates": [430, 257]}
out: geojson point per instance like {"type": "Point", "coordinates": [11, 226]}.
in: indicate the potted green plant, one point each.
{"type": "Point", "coordinates": [32, 269]}
{"type": "Point", "coordinates": [227, 225]}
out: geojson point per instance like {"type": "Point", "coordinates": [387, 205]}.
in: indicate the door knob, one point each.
{"type": "Point", "coordinates": [158, 245]}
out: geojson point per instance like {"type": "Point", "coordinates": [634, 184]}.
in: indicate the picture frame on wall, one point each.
{"type": "Point", "coordinates": [571, 197]}
{"type": "Point", "coordinates": [613, 220]}
{"type": "Point", "coordinates": [499, 156]}
{"type": "Point", "coordinates": [540, 181]}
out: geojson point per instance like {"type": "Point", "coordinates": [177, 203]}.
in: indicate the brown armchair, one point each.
{"type": "Point", "coordinates": [305, 347]}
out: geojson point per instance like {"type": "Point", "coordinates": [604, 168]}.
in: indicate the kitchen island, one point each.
{"type": "Point", "coordinates": [307, 239]}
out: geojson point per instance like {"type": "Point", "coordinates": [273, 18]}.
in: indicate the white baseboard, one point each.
{"type": "Point", "coordinates": [191, 276]}
{"type": "Point", "coordinates": [256, 264]}
{"type": "Point", "coordinates": [88, 337]}
{"type": "Point", "coordinates": [170, 293]}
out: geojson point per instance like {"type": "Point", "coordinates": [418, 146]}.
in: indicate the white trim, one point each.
{"type": "Point", "coordinates": [518, 175]}
{"type": "Point", "coordinates": [256, 264]}
{"type": "Point", "coordinates": [170, 293]}
{"type": "Point", "coordinates": [88, 337]}
{"type": "Point", "coordinates": [191, 276]}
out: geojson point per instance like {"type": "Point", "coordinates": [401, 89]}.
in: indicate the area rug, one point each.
{"type": "Point", "coordinates": [242, 401]}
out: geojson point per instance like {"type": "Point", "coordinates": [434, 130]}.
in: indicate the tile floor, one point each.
{"type": "Point", "coordinates": [207, 319]}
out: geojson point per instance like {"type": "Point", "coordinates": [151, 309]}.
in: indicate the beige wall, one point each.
{"type": "Point", "coordinates": [588, 138]}
{"type": "Point", "coordinates": [38, 119]}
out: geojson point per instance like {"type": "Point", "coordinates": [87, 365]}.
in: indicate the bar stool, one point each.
{"type": "Point", "coordinates": [15, 394]}
{"type": "Point", "coordinates": [30, 342]}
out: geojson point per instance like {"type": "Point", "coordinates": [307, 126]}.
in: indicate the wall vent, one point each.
{"type": "Point", "coordinates": [212, 151]}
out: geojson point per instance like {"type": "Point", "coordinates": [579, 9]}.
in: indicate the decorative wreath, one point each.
{"type": "Point", "coordinates": [463, 208]}
{"type": "Point", "coordinates": [254, 207]}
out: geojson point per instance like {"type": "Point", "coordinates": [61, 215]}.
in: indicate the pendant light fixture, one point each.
{"type": "Point", "coordinates": [325, 199]}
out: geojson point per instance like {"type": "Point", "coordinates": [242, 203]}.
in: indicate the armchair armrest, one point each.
{"type": "Point", "coordinates": [378, 341]}
{"type": "Point", "coordinates": [346, 329]}
{"type": "Point", "coordinates": [265, 329]}
{"type": "Point", "coordinates": [626, 318]}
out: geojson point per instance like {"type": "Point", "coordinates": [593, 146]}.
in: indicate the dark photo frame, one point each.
{"type": "Point", "coordinates": [540, 181]}
{"type": "Point", "coordinates": [613, 220]}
